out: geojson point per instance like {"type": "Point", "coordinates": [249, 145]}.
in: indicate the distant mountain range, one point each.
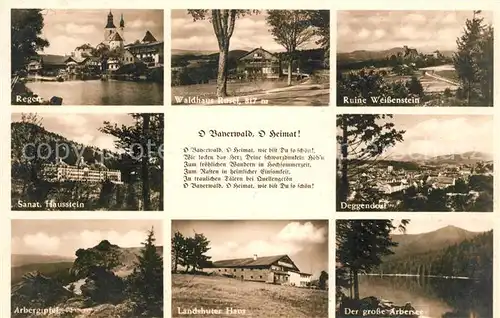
{"type": "Point", "coordinates": [205, 52]}
{"type": "Point", "coordinates": [49, 264]}
{"type": "Point", "coordinates": [411, 244]}
{"type": "Point", "coordinates": [469, 157]}
{"type": "Point", "coordinates": [191, 52]}
{"type": "Point", "coordinates": [26, 259]}
{"type": "Point", "coordinates": [363, 55]}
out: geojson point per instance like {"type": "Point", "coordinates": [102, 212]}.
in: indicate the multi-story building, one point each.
{"type": "Point", "coordinates": [260, 63]}
{"type": "Point", "coordinates": [61, 172]}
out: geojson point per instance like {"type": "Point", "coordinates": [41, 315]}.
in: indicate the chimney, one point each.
{"type": "Point", "coordinates": [254, 257]}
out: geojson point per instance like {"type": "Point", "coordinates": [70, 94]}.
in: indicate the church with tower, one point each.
{"type": "Point", "coordinates": [114, 37]}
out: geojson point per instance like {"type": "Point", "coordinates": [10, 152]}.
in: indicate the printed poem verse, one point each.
{"type": "Point", "coordinates": [248, 168]}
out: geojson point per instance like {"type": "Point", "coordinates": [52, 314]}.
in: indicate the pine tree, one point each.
{"type": "Point", "coordinates": [197, 247]}
{"type": "Point", "coordinates": [361, 244]}
{"type": "Point", "coordinates": [474, 61]}
{"type": "Point", "coordinates": [146, 281]}
{"type": "Point", "coordinates": [178, 244]}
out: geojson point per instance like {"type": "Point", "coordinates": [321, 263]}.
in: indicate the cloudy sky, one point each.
{"type": "Point", "coordinates": [82, 128]}
{"type": "Point", "coordinates": [67, 29]}
{"type": "Point", "coordinates": [64, 237]}
{"type": "Point", "coordinates": [436, 135]}
{"type": "Point", "coordinates": [306, 242]}
{"type": "Point", "coordinates": [381, 30]}
{"type": "Point", "coordinates": [249, 32]}
{"type": "Point", "coordinates": [422, 225]}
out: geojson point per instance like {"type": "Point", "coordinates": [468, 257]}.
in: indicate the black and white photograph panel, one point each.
{"type": "Point", "coordinates": [419, 163]}
{"type": "Point", "coordinates": [250, 268]}
{"type": "Point", "coordinates": [415, 58]}
{"type": "Point", "coordinates": [419, 268]}
{"type": "Point", "coordinates": [92, 162]}
{"type": "Point", "coordinates": [86, 57]}
{"type": "Point", "coordinates": [251, 57]}
{"type": "Point", "coordinates": [87, 268]}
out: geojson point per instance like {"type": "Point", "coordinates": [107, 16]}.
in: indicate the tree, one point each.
{"type": "Point", "coordinates": [178, 247]}
{"type": "Point", "coordinates": [323, 280]}
{"type": "Point", "coordinates": [195, 256]}
{"type": "Point", "coordinates": [145, 162]}
{"type": "Point", "coordinates": [291, 29]}
{"type": "Point", "coordinates": [473, 60]}
{"type": "Point", "coordinates": [320, 20]}
{"type": "Point", "coordinates": [142, 143]}
{"type": "Point", "coordinates": [223, 22]}
{"type": "Point", "coordinates": [26, 28]}
{"type": "Point", "coordinates": [146, 282]}
{"type": "Point", "coordinates": [361, 244]}
{"type": "Point", "coordinates": [415, 87]}
{"type": "Point", "coordinates": [362, 139]}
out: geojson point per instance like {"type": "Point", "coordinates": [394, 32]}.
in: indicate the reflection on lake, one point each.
{"type": "Point", "coordinates": [97, 92]}
{"type": "Point", "coordinates": [436, 297]}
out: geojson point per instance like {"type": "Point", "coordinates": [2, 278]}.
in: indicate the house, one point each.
{"type": "Point", "coordinates": [442, 182]}
{"type": "Point", "coordinates": [82, 51]}
{"type": "Point", "coordinates": [49, 64]}
{"type": "Point", "coordinates": [393, 187]}
{"type": "Point", "coordinates": [91, 64]}
{"type": "Point", "coordinates": [276, 269]}
{"type": "Point", "coordinates": [149, 50]}
{"type": "Point", "coordinates": [259, 63]}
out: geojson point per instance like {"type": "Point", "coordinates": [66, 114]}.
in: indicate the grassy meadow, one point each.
{"type": "Point", "coordinates": [258, 299]}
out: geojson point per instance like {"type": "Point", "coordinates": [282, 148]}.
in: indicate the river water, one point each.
{"type": "Point", "coordinates": [436, 297]}
{"type": "Point", "coordinates": [97, 92]}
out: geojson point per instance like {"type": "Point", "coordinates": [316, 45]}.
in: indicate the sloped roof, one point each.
{"type": "Point", "coordinates": [116, 37]}
{"type": "Point", "coordinates": [52, 59]}
{"type": "Point", "coordinates": [444, 179]}
{"type": "Point", "coordinates": [248, 262]}
{"type": "Point", "coordinates": [268, 54]}
{"type": "Point", "coordinates": [148, 37]}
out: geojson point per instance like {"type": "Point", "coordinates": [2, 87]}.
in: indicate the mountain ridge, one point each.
{"type": "Point", "coordinates": [363, 55]}
{"type": "Point", "coordinates": [410, 244]}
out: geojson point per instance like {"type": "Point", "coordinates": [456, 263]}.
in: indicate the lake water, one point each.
{"type": "Point", "coordinates": [436, 297]}
{"type": "Point", "coordinates": [97, 92]}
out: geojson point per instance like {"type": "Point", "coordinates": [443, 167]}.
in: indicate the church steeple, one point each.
{"type": "Point", "coordinates": [110, 24]}
{"type": "Point", "coordinates": [122, 22]}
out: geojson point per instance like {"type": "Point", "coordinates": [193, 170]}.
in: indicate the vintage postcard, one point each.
{"type": "Point", "coordinates": [418, 163]}
{"type": "Point", "coordinates": [252, 268]}
{"type": "Point", "coordinates": [87, 162]}
{"type": "Point", "coordinates": [415, 58]}
{"type": "Point", "coordinates": [426, 267]}
{"type": "Point", "coordinates": [251, 57]}
{"type": "Point", "coordinates": [87, 268]}
{"type": "Point", "coordinates": [86, 57]}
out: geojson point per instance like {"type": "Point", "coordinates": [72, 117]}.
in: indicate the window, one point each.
{"type": "Point", "coordinates": [242, 269]}
{"type": "Point", "coordinates": [234, 270]}
{"type": "Point", "coordinates": [225, 269]}
{"type": "Point", "coordinates": [251, 277]}
{"type": "Point", "coordinates": [260, 276]}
